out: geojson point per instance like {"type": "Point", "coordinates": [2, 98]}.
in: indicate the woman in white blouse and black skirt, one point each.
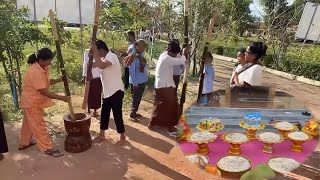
{"type": "Point", "coordinates": [251, 75]}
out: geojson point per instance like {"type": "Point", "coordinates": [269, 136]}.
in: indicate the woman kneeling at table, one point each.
{"type": "Point", "coordinates": [251, 75]}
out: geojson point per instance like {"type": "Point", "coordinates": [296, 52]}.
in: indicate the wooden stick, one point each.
{"type": "Point", "coordinates": [89, 70]}
{"type": "Point", "coordinates": [186, 69]}
{"type": "Point", "coordinates": [210, 29]}
{"type": "Point", "coordinates": [55, 34]}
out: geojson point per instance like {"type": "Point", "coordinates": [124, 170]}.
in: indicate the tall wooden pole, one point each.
{"type": "Point", "coordinates": [210, 29]}
{"type": "Point", "coordinates": [186, 69]}
{"type": "Point", "coordinates": [89, 70]}
{"type": "Point", "coordinates": [55, 34]}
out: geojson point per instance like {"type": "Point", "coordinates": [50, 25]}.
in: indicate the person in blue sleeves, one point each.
{"type": "Point", "coordinates": [138, 76]}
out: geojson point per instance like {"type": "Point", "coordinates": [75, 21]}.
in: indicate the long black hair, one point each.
{"type": "Point", "coordinates": [259, 49]}
{"type": "Point", "coordinates": [43, 54]}
{"type": "Point", "coordinates": [101, 45]}
{"type": "Point", "coordinates": [174, 47]}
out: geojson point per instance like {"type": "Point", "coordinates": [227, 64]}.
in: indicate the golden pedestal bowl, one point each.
{"type": "Point", "coordinates": [203, 143]}
{"type": "Point", "coordinates": [235, 145]}
{"type": "Point", "coordinates": [268, 145]}
{"type": "Point", "coordinates": [251, 131]}
{"type": "Point", "coordinates": [297, 143]}
{"type": "Point", "coordinates": [210, 130]}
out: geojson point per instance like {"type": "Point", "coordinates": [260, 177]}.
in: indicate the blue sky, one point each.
{"type": "Point", "coordinates": [257, 10]}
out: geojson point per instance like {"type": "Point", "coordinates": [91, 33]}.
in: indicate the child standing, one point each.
{"type": "Point", "coordinates": [242, 62]}
{"type": "Point", "coordinates": [34, 98]}
{"type": "Point", "coordinates": [208, 79]}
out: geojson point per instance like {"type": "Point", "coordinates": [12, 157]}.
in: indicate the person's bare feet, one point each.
{"type": "Point", "coordinates": [99, 138]}
{"type": "Point", "coordinates": [122, 139]}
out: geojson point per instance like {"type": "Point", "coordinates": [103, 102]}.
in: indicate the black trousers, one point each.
{"type": "Point", "coordinates": [115, 103]}
{"type": "Point", "coordinates": [3, 140]}
{"type": "Point", "coordinates": [136, 97]}
{"type": "Point", "coordinates": [126, 78]}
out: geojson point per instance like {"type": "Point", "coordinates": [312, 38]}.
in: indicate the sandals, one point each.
{"type": "Point", "coordinates": [306, 113]}
{"type": "Point", "coordinates": [22, 147]}
{"type": "Point", "coordinates": [54, 153]}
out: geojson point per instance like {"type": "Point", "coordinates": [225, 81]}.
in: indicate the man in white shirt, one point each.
{"type": "Point", "coordinates": [94, 98]}
{"type": "Point", "coordinates": [166, 110]}
{"type": "Point", "coordinates": [113, 89]}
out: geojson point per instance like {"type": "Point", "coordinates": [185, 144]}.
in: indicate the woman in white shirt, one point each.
{"type": "Point", "coordinates": [251, 75]}
{"type": "Point", "coordinates": [166, 107]}
{"type": "Point", "coordinates": [94, 99]}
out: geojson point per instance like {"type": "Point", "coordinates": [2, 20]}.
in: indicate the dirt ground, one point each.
{"type": "Point", "coordinates": [146, 154]}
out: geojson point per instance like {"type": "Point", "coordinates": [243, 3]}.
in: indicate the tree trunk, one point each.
{"type": "Point", "coordinates": [19, 76]}
{"type": "Point", "coordinates": [194, 71]}
{"type": "Point", "coordinates": [13, 82]}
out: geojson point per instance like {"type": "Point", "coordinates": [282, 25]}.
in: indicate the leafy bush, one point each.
{"type": "Point", "coordinates": [308, 69]}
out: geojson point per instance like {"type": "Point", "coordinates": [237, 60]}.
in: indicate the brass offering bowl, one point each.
{"type": "Point", "coordinates": [267, 146]}
{"type": "Point", "coordinates": [235, 146]}
{"type": "Point", "coordinates": [251, 131]}
{"type": "Point", "coordinates": [203, 144]}
{"type": "Point", "coordinates": [297, 143]}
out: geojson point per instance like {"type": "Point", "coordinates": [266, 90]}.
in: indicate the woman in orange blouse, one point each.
{"type": "Point", "coordinates": [35, 97]}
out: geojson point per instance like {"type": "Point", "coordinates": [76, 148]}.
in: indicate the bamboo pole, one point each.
{"type": "Point", "coordinates": [210, 29]}
{"type": "Point", "coordinates": [89, 70]}
{"type": "Point", "coordinates": [186, 69]}
{"type": "Point", "coordinates": [55, 34]}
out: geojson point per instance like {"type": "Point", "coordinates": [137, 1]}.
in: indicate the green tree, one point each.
{"type": "Point", "coordinates": [15, 32]}
{"type": "Point", "coordinates": [278, 18]}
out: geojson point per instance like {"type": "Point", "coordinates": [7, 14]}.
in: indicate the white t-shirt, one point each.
{"type": "Point", "coordinates": [252, 76]}
{"type": "Point", "coordinates": [95, 71]}
{"type": "Point", "coordinates": [237, 69]}
{"type": "Point", "coordinates": [164, 70]}
{"type": "Point", "coordinates": [111, 76]}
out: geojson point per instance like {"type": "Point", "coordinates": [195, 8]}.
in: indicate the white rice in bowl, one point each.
{"type": "Point", "coordinates": [198, 159]}
{"type": "Point", "coordinates": [283, 164]}
{"type": "Point", "coordinates": [284, 125]}
{"type": "Point", "coordinates": [234, 164]}
{"type": "Point", "coordinates": [202, 136]}
{"type": "Point", "coordinates": [270, 137]}
{"type": "Point", "coordinates": [298, 136]}
{"type": "Point", "coordinates": [236, 137]}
